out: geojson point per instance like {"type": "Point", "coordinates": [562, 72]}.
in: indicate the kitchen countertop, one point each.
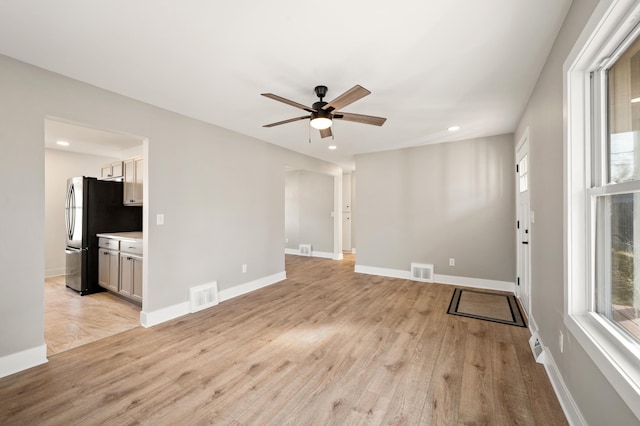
{"type": "Point", "coordinates": [122, 236]}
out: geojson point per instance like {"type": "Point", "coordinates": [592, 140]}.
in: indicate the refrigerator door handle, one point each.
{"type": "Point", "coordinates": [72, 211]}
{"type": "Point", "coordinates": [67, 216]}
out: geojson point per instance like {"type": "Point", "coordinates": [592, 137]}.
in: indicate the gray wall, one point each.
{"type": "Point", "coordinates": [596, 399]}
{"type": "Point", "coordinates": [58, 167]}
{"type": "Point", "coordinates": [432, 203]}
{"type": "Point", "coordinates": [222, 195]}
{"type": "Point", "coordinates": [308, 206]}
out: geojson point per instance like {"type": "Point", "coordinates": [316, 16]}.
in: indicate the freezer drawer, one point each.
{"type": "Point", "coordinates": [73, 268]}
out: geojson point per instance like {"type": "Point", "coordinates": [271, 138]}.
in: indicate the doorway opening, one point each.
{"type": "Point", "coordinates": [312, 214]}
{"type": "Point", "coordinates": [71, 150]}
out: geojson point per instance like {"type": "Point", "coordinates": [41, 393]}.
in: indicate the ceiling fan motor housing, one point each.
{"type": "Point", "coordinates": [320, 113]}
{"type": "Point", "coordinates": [318, 105]}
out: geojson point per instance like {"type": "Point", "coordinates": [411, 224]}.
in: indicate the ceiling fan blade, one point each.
{"type": "Point", "coordinates": [287, 101]}
{"type": "Point", "coordinates": [325, 133]}
{"type": "Point", "coordinates": [359, 118]}
{"type": "Point", "coordinates": [348, 97]}
{"type": "Point", "coordinates": [291, 120]}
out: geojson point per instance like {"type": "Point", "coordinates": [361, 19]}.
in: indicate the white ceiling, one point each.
{"type": "Point", "coordinates": [429, 64]}
{"type": "Point", "coordinates": [86, 140]}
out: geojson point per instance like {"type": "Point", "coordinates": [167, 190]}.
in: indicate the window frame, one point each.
{"type": "Point", "coordinates": [610, 27]}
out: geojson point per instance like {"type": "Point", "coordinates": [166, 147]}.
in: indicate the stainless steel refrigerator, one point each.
{"type": "Point", "coordinates": [93, 206]}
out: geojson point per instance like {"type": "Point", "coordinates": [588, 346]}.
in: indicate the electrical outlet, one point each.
{"type": "Point", "coordinates": [244, 268]}
{"type": "Point", "coordinates": [561, 342]}
{"type": "Point", "coordinates": [452, 262]}
{"type": "Point", "coordinates": [160, 219]}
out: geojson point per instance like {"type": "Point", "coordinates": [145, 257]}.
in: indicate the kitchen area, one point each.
{"type": "Point", "coordinates": [93, 234]}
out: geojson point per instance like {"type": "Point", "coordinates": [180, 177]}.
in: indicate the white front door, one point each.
{"type": "Point", "coordinates": [523, 223]}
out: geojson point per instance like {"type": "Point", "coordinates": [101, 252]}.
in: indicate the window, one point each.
{"type": "Point", "coordinates": [602, 186]}
{"type": "Point", "coordinates": [617, 207]}
{"type": "Point", "coordinates": [523, 174]}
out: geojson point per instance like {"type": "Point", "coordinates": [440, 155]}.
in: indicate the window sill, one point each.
{"type": "Point", "coordinates": [618, 361]}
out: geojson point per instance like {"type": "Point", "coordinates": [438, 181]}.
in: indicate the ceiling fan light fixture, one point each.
{"type": "Point", "coordinates": [320, 123]}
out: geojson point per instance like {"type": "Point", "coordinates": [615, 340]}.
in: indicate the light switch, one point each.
{"type": "Point", "coordinates": [160, 219]}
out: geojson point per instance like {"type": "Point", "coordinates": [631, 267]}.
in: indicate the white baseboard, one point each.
{"type": "Point", "coordinates": [314, 253]}
{"type": "Point", "coordinates": [149, 319]}
{"type": "Point", "coordinates": [23, 360]}
{"type": "Point", "coordinates": [54, 272]}
{"type": "Point", "coordinates": [439, 279]}
{"type": "Point", "coordinates": [475, 282]}
{"type": "Point", "coordinates": [239, 290]}
{"type": "Point", "coordinates": [384, 272]}
{"type": "Point", "coordinates": [568, 404]}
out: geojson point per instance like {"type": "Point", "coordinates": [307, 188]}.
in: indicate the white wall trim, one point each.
{"type": "Point", "coordinates": [439, 279]}
{"type": "Point", "coordinates": [149, 319]}
{"type": "Point", "coordinates": [323, 254]}
{"type": "Point", "coordinates": [385, 272]}
{"type": "Point", "coordinates": [475, 282]}
{"type": "Point", "coordinates": [568, 404]}
{"type": "Point", "coordinates": [314, 253]}
{"type": "Point", "coordinates": [54, 272]}
{"type": "Point", "coordinates": [23, 360]}
{"type": "Point", "coordinates": [239, 290]}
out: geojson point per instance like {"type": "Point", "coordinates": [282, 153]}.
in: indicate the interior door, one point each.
{"type": "Point", "coordinates": [523, 224]}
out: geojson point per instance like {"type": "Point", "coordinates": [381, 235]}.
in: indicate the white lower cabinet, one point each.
{"type": "Point", "coordinates": [120, 267]}
{"type": "Point", "coordinates": [108, 269]}
{"type": "Point", "coordinates": [131, 276]}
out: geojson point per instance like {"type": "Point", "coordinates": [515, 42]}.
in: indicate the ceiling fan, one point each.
{"type": "Point", "coordinates": [323, 113]}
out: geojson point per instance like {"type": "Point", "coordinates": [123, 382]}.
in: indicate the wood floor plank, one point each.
{"type": "Point", "coordinates": [510, 395]}
{"type": "Point", "coordinates": [326, 346]}
{"type": "Point", "coordinates": [477, 398]}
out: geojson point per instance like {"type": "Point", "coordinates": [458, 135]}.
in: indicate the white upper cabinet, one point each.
{"type": "Point", "coordinates": [133, 181]}
{"type": "Point", "coordinates": [111, 170]}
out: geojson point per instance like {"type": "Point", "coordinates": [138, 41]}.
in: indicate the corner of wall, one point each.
{"type": "Point", "coordinates": [23, 360]}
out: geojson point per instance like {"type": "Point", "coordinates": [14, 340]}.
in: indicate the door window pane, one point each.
{"type": "Point", "coordinates": [523, 174]}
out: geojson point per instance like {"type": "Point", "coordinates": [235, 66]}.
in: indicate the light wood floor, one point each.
{"type": "Point", "coordinates": [326, 346]}
{"type": "Point", "coordinates": [71, 320]}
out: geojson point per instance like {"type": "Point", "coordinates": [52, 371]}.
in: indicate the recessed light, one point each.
{"type": "Point", "coordinates": [454, 128]}
{"type": "Point", "coordinates": [635, 100]}
{"type": "Point", "coordinates": [332, 147]}
{"type": "Point", "coordinates": [63, 143]}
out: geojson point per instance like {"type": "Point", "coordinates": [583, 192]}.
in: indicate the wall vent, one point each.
{"type": "Point", "coordinates": [422, 272]}
{"type": "Point", "coordinates": [203, 296]}
{"type": "Point", "coordinates": [305, 249]}
{"type": "Point", "coordinates": [537, 348]}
